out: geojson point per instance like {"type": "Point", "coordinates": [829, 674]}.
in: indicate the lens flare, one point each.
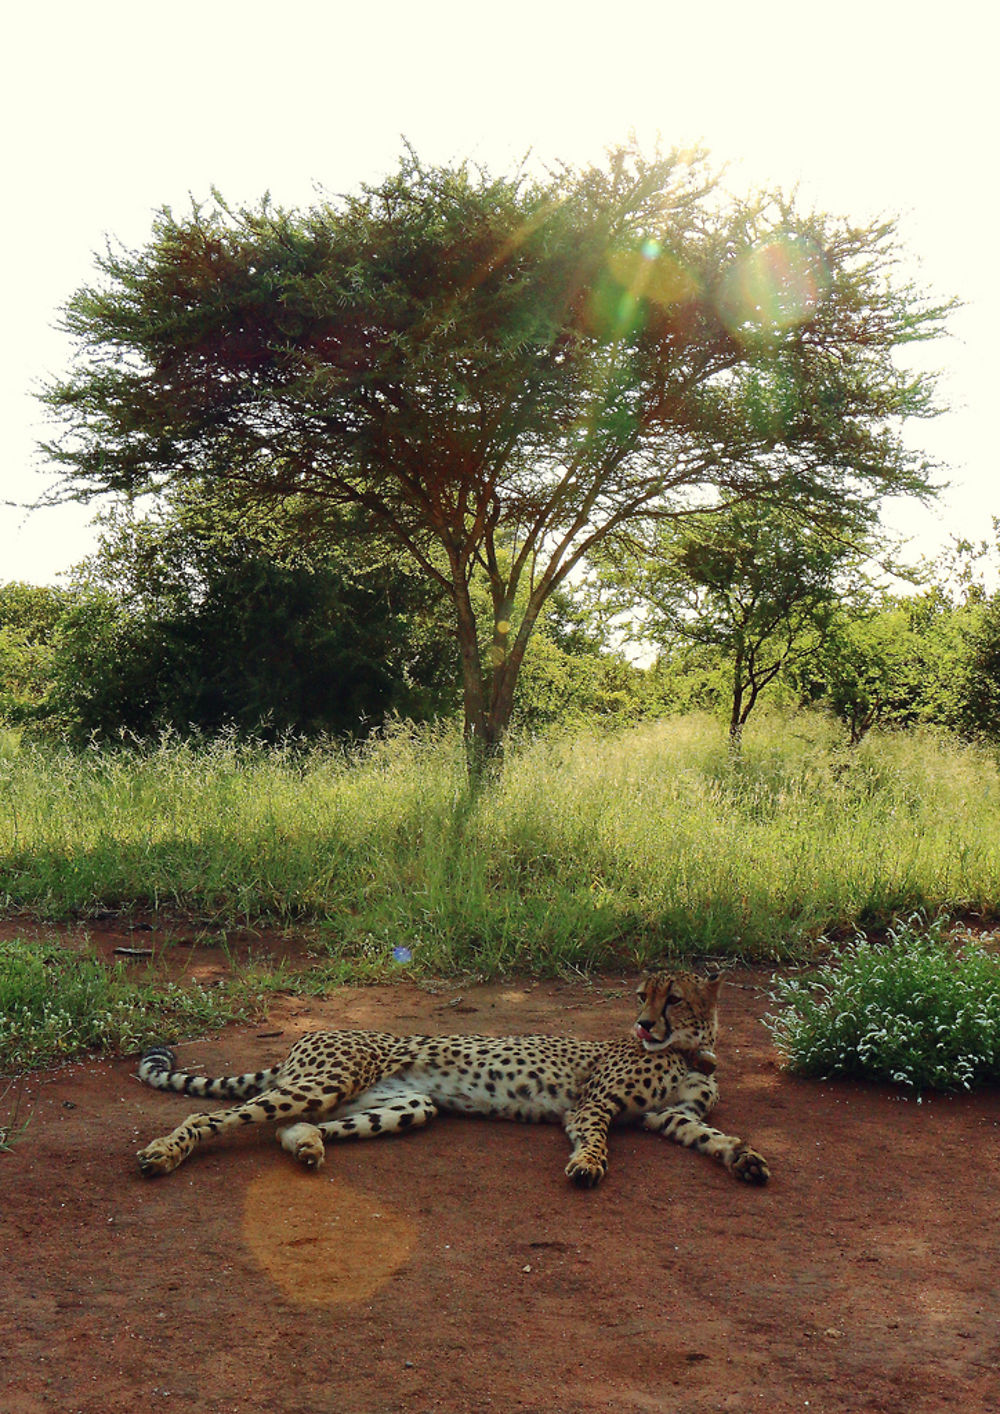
{"type": "Point", "coordinates": [632, 283]}
{"type": "Point", "coordinates": [774, 286]}
{"type": "Point", "coordinates": [653, 274]}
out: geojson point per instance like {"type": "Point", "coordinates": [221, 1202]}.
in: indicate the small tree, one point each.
{"type": "Point", "coordinates": [866, 671]}
{"type": "Point", "coordinates": [753, 583]}
{"type": "Point", "coordinates": [501, 373]}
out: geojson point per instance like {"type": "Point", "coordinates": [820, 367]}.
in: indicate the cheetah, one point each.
{"type": "Point", "coordinates": [358, 1084]}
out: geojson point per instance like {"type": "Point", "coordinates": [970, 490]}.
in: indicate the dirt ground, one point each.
{"type": "Point", "coordinates": [455, 1269]}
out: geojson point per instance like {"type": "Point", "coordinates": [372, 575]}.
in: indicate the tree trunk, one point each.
{"type": "Point", "coordinates": [736, 715]}
{"type": "Point", "coordinates": [473, 688]}
{"type": "Point", "coordinates": [487, 707]}
{"type": "Point", "coordinates": [489, 701]}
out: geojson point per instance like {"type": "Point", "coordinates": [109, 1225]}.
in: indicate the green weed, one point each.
{"type": "Point", "coordinates": [55, 1004]}
{"type": "Point", "coordinates": [910, 1011]}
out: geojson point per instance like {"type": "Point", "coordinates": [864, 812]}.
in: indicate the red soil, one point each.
{"type": "Point", "coordinates": [455, 1269]}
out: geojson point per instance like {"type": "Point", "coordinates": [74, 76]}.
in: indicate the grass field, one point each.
{"type": "Point", "coordinates": [589, 850]}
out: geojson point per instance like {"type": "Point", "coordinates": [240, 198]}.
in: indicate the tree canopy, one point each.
{"type": "Point", "coordinates": [502, 372]}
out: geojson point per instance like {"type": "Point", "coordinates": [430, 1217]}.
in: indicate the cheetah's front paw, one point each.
{"type": "Point", "coordinates": [158, 1157]}
{"type": "Point", "coordinates": [586, 1171]}
{"type": "Point", "coordinates": [749, 1166]}
{"type": "Point", "coordinates": [305, 1143]}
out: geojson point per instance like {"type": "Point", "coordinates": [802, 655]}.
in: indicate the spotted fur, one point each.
{"type": "Point", "coordinates": [358, 1084]}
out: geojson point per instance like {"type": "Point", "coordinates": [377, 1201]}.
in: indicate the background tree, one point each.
{"type": "Point", "coordinates": [500, 373]}
{"type": "Point", "coordinates": [754, 583]}
{"type": "Point", "coordinates": [902, 660]}
{"type": "Point", "coordinates": [207, 613]}
{"type": "Point", "coordinates": [29, 615]}
{"type": "Point", "coordinates": [979, 673]}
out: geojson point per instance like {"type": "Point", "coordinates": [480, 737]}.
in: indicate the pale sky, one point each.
{"type": "Point", "coordinates": [114, 109]}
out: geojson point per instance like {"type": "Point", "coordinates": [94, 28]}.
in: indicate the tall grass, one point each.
{"type": "Point", "coordinates": [589, 849]}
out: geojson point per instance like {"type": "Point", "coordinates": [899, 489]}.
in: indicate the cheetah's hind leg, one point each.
{"type": "Point", "coordinates": [362, 1119]}
{"type": "Point", "coordinates": [165, 1154]}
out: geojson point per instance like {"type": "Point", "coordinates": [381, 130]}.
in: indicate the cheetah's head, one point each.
{"type": "Point", "coordinates": [680, 1009]}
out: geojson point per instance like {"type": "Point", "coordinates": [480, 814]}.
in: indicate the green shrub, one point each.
{"type": "Point", "coordinates": [913, 1011]}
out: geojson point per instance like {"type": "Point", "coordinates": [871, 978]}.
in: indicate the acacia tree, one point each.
{"type": "Point", "coordinates": [754, 582]}
{"type": "Point", "coordinates": [501, 372]}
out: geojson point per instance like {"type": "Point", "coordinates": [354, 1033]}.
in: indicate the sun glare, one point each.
{"type": "Point", "coordinates": [774, 286]}
{"type": "Point", "coordinates": [652, 273]}
{"type": "Point", "coordinates": [632, 281]}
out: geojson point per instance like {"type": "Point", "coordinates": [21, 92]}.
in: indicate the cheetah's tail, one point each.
{"type": "Point", "coordinates": [158, 1068]}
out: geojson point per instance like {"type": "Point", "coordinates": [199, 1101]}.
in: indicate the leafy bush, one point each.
{"type": "Point", "coordinates": [914, 1011]}
{"type": "Point", "coordinates": [29, 614]}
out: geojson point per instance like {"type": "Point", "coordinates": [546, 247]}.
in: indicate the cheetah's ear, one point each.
{"type": "Point", "coordinates": [713, 973]}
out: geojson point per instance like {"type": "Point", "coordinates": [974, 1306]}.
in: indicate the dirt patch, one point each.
{"type": "Point", "coordinates": [155, 947]}
{"type": "Point", "coordinates": [323, 1244]}
{"type": "Point", "coordinates": [455, 1269]}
